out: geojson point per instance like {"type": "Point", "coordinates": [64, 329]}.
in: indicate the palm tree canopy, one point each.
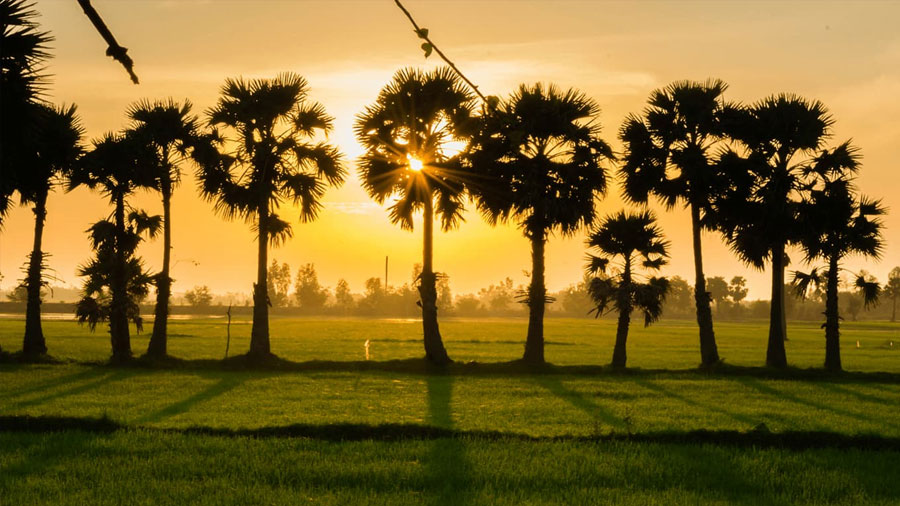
{"type": "Point", "coordinates": [171, 131]}
{"type": "Point", "coordinates": [273, 154]}
{"type": "Point", "coordinates": [777, 138]}
{"type": "Point", "coordinates": [56, 147]}
{"type": "Point", "coordinates": [667, 149]}
{"type": "Point", "coordinates": [23, 49]}
{"type": "Point", "coordinates": [117, 165]}
{"type": "Point", "coordinates": [540, 160]}
{"type": "Point", "coordinates": [412, 135]}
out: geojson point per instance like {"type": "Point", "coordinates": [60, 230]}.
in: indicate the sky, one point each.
{"type": "Point", "coordinates": [846, 54]}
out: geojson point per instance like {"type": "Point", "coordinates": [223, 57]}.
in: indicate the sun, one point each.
{"type": "Point", "coordinates": [415, 164]}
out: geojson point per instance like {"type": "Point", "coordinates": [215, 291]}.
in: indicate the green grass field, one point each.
{"type": "Point", "coordinates": [344, 431]}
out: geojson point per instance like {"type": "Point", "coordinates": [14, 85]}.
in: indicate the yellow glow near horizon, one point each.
{"type": "Point", "coordinates": [415, 164]}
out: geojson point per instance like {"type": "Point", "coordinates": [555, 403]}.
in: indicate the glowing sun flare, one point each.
{"type": "Point", "coordinates": [415, 164]}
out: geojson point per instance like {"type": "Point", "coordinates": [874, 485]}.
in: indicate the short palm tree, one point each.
{"type": "Point", "coordinates": [836, 223]}
{"type": "Point", "coordinates": [57, 148]}
{"type": "Point", "coordinates": [892, 291]}
{"type": "Point", "coordinates": [23, 50]}
{"type": "Point", "coordinates": [116, 280]}
{"type": "Point", "coordinates": [170, 132]}
{"type": "Point", "coordinates": [409, 134]}
{"type": "Point", "coordinates": [632, 240]}
{"type": "Point", "coordinates": [668, 154]}
{"type": "Point", "coordinates": [760, 214]}
{"type": "Point", "coordinates": [275, 157]}
{"type": "Point", "coordinates": [538, 160]}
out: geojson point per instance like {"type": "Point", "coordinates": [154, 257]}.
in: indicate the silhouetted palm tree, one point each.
{"type": "Point", "coordinates": [116, 281]}
{"type": "Point", "coordinates": [170, 132]}
{"type": "Point", "coordinates": [668, 155]}
{"type": "Point", "coordinates": [410, 133]}
{"type": "Point", "coordinates": [23, 50]}
{"type": "Point", "coordinates": [275, 158]}
{"type": "Point", "coordinates": [836, 222]}
{"type": "Point", "coordinates": [539, 161]}
{"type": "Point", "coordinates": [57, 147]}
{"type": "Point", "coordinates": [631, 239]}
{"type": "Point", "coordinates": [759, 215]}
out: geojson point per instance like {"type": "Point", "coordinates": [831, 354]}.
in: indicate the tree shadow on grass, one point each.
{"type": "Point", "coordinates": [864, 397]}
{"type": "Point", "coordinates": [226, 383]}
{"type": "Point", "coordinates": [668, 392]}
{"type": "Point", "coordinates": [448, 471]}
{"type": "Point", "coordinates": [53, 383]}
{"type": "Point", "coordinates": [580, 400]}
{"type": "Point", "coordinates": [96, 380]}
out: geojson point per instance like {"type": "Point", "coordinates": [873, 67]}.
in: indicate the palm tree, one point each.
{"type": "Point", "coordinates": [760, 214]}
{"type": "Point", "coordinates": [170, 132]}
{"type": "Point", "coordinates": [23, 50]}
{"type": "Point", "coordinates": [540, 162]}
{"type": "Point", "coordinates": [275, 158]}
{"type": "Point", "coordinates": [667, 155]}
{"type": "Point", "coordinates": [116, 281]}
{"type": "Point", "coordinates": [629, 238]}
{"type": "Point", "coordinates": [836, 223]}
{"type": "Point", "coordinates": [57, 147]}
{"type": "Point", "coordinates": [410, 133]}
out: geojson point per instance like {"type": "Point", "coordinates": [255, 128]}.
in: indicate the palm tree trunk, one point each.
{"type": "Point", "coordinates": [709, 352]}
{"type": "Point", "coordinates": [775, 354]}
{"type": "Point", "coordinates": [619, 358]}
{"type": "Point", "coordinates": [434, 345]}
{"type": "Point", "coordinates": [120, 337]}
{"type": "Point", "coordinates": [537, 293]}
{"type": "Point", "coordinates": [34, 342]}
{"type": "Point", "coordinates": [259, 333]}
{"type": "Point", "coordinates": [832, 319]}
{"type": "Point", "coordinates": [158, 340]}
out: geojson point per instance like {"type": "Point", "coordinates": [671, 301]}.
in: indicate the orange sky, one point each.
{"type": "Point", "coordinates": [845, 54]}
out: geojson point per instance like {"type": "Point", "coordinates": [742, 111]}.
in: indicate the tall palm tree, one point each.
{"type": "Point", "coordinates": [170, 132]}
{"type": "Point", "coordinates": [57, 147]}
{"type": "Point", "coordinates": [631, 239]}
{"type": "Point", "coordinates": [668, 154]}
{"type": "Point", "coordinates": [836, 223]}
{"type": "Point", "coordinates": [116, 280]}
{"type": "Point", "coordinates": [23, 50]}
{"type": "Point", "coordinates": [409, 134]}
{"type": "Point", "coordinates": [539, 161]}
{"type": "Point", "coordinates": [275, 157]}
{"type": "Point", "coordinates": [760, 214]}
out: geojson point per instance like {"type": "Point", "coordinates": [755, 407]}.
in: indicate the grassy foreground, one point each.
{"type": "Point", "coordinates": [391, 434]}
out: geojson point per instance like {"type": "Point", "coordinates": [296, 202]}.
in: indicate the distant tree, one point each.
{"type": "Point", "coordinates": [444, 295]}
{"type": "Point", "coordinates": [274, 158]}
{"type": "Point", "coordinates": [576, 300]}
{"type": "Point", "coordinates": [310, 295]}
{"type": "Point", "coordinates": [718, 291]}
{"type": "Point", "coordinates": [278, 282]}
{"type": "Point", "coordinates": [760, 213]}
{"type": "Point", "coordinates": [116, 280]}
{"type": "Point", "coordinates": [199, 296]}
{"type": "Point", "coordinates": [668, 154]}
{"type": "Point", "coordinates": [372, 301]}
{"type": "Point", "coordinates": [18, 294]}
{"type": "Point", "coordinates": [892, 291]}
{"type": "Point", "coordinates": [627, 239]}
{"type": "Point", "coordinates": [737, 289]}
{"type": "Point", "coordinates": [499, 297]}
{"type": "Point", "coordinates": [170, 133]}
{"type": "Point", "coordinates": [680, 298]}
{"type": "Point", "coordinates": [409, 134]}
{"type": "Point", "coordinates": [836, 222]}
{"type": "Point", "coordinates": [343, 300]}
{"type": "Point", "coordinates": [467, 305]}
{"type": "Point", "coordinates": [540, 163]}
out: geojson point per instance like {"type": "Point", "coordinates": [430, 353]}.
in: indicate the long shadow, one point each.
{"type": "Point", "coordinates": [52, 383]}
{"type": "Point", "coordinates": [767, 390]}
{"type": "Point", "coordinates": [580, 401]}
{"type": "Point", "coordinates": [668, 392]}
{"type": "Point", "coordinates": [226, 383]}
{"type": "Point", "coordinates": [859, 395]}
{"type": "Point", "coordinates": [107, 377]}
{"type": "Point", "coordinates": [448, 471]}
